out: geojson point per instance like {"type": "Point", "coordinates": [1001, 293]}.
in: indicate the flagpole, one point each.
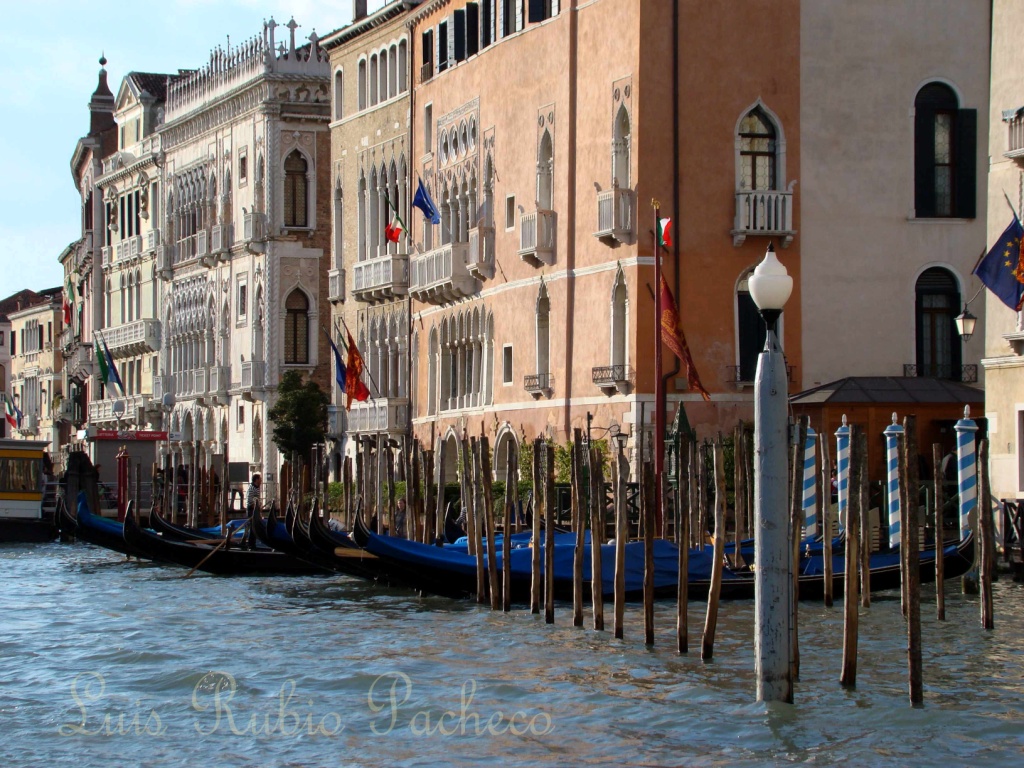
{"type": "Point", "coordinates": [659, 385]}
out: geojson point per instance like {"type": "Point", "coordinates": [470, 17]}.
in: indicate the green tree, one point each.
{"type": "Point", "coordinates": [299, 416]}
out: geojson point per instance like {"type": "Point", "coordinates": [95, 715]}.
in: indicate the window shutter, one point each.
{"type": "Point", "coordinates": [965, 205]}
{"type": "Point", "coordinates": [486, 18]}
{"type": "Point", "coordinates": [924, 162]}
{"type": "Point", "coordinates": [428, 46]}
{"type": "Point", "coordinates": [554, 7]}
{"type": "Point", "coordinates": [459, 36]}
{"type": "Point", "coordinates": [536, 11]}
{"type": "Point", "coordinates": [472, 28]}
{"type": "Point", "coordinates": [441, 47]}
{"type": "Point", "coordinates": [519, 14]}
{"type": "Point", "coordinates": [450, 38]}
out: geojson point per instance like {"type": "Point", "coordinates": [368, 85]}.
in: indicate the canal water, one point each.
{"type": "Point", "coordinates": [107, 662]}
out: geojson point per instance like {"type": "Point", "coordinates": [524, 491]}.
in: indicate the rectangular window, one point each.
{"type": "Point", "coordinates": [243, 166]}
{"type": "Point", "coordinates": [506, 364]}
{"type": "Point", "coordinates": [428, 128]}
{"type": "Point", "coordinates": [2, 340]}
{"type": "Point", "coordinates": [442, 46]}
{"type": "Point", "coordinates": [510, 212]}
{"type": "Point", "coordinates": [243, 298]}
{"type": "Point", "coordinates": [472, 28]}
{"type": "Point", "coordinates": [459, 38]}
{"type": "Point", "coordinates": [241, 415]}
{"type": "Point", "coordinates": [486, 23]}
{"type": "Point", "coordinates": [49, 332]}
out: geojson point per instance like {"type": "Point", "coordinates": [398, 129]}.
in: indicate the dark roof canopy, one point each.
{"type": "Point", "coordinates": [889, 389]}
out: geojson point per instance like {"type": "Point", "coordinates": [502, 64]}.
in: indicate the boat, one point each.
{"type": "Point", "coordinates": [275, 535]}
{"type": "Point", "coordinates": [223, 557]}
{"type": "Point", "coordinates": [186, 533]}
{"type": "Point", "coordinates": [452, 573]}
{"type": "Point", "coordinates": [342, 551]}
{"type": "Point", "coordinates": [93, 529]}
{"type": "Point", "coordinates": [22, 491]}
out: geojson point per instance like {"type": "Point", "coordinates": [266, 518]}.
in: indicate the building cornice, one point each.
{"type": "Point", "coordinates": [340, 37]}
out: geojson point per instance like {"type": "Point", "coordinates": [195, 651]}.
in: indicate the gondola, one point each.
{"type": "Point", "coordinates": [177, 532]}
{"type": "Point", "coordinates": [346, 557]}
{"type": "Point", "coordinates": [446, 572]}
{"type": "Point", "coordinates": [93, 529]}
{"type": "Point", "coordinates": [223, 558]}
{"type": "Point", "coordinates": [275, 535]}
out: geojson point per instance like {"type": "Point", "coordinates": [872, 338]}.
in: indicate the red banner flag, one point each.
{"type": "Point", "coordinates": [354, 387]}
{"type": "Point", "coordinates": [672, 336]}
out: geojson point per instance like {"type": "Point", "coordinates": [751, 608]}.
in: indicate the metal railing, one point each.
{"type": "Point", "coordinates": [610, 375]}
{"type": "Point", "coordinates": [966, 374]}
{"type": "Point", "coordinates": [538, 382]}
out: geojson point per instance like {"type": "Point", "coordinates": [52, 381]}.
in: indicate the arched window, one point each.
{"type": "Point", "coordinates": [403, 63]}
{"type": "Point", "coordinates": [373, 79]}
{"type": "Point", "coordinates": [758, 158]}
{"type": "Point", "coordinates": [361, 84]}
{"type": "Point", "coordinates": [620, 307]}
{"type": "Point", "coordinates": [339, 94]}
{"type": "Point", "coordinates": [296, 213]}
{"type": "Point", "coordinates": [621, 149]}
{"type": "Point", "coordinates": [432, 362]}
{"type": "Point", "coordinates": [945, 139]}
{"type": "Point", "coordinates": [296, 329]}
{"type": "Point", "coordinates": [938, 344]}
{"type": "Point", "coordinates": [361, 214]}
{"type": "Point", "coordinates": [750, 332]}
{"type": "Point", "coordinates": [393, 71]}
{"type": "Point", "coordinates": [138, 294]}
{"type": "Point", "coordinates": [339, 241]}
{"type": "Point", "coordinates": [123, 304]}
{"type": "Point", "coordinates": [543, 333]}
{"type": "Point", "coordinates": [545, 180]}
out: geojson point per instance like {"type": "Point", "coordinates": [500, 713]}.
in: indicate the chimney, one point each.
{"type": "Point", "coordinates": [360, 10]}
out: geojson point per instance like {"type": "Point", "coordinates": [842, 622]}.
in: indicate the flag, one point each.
{"type": "Point", "coordinates": [672, 336]}
{"type": "Point", "coordinates": [354, 387]}
{"type": "Point", "coordinates": [12, 414]}
{"type": "Point", "coordinates": [1002, 268]}
{"type": "Point", "coordinates": [108, 371]}
{"type": "Point", "coordinates": [422, 201]}
{"type": "Point", "coordinates": [665, 232]}
{"type": "Point", "coordinates": [339, 367]}
{"type": "Point", "coordinates": [68, 296]}
{"type": "Point", "coordinates": [394, 230]}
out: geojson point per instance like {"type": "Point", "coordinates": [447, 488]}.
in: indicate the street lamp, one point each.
{"type": "Point", "coordinates": [770, 287]}
{"type": "Point", "coordinates": [965, 323]}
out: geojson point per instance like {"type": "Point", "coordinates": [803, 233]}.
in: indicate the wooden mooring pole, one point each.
{"type": "Point", "coordinates": [597, 535]}
{"type": "Point", "coordinates": [848, 676]}
{"type": "Point", "coordinates": [506, 539]}
{"type": "Point", "coordinates": [986, 537]}
{"type": "Point", "coordinates": [549, 534]}
{"type": "Point", "coordinates": [619, 475]}
{"type": "Point", "coordinates": [535, 584]}
{"type": "Point", "coordinates": [911, 543]}
{"type": "Point", "coordinates": [707, 650]}
{"type": "Point", "coordinates": [683, 496]}
{"type": "Point", "coordinates": [578, 527]}
{"type": "Point", "coordinates": [826, 518]}
{"type": "Point", "coordinates": [939, 502]}
{"type": "Point", "coordinates": [494, 588]}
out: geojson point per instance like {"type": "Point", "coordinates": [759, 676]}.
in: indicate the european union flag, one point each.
{"type": "Point", "coordinates": [1002, 269]}
{"type": "Point", "coordinates": [422, 201]}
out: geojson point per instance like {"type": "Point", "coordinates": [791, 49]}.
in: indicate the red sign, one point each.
{"type": "Point", "coordinates": [125, 434]}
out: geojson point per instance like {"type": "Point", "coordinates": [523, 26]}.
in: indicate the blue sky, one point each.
{"type": "Point", "coordinates": [49, 68]}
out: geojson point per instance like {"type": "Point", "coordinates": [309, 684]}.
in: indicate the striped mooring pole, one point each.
{"type": "Point", "coordinates": [893, 433]}
{"type": "Point", "coordinates": [810, 499]}
{"type": "Point", "coordinates": [967, 469]}
{"type": "Point", "coordinates": [843, 470]}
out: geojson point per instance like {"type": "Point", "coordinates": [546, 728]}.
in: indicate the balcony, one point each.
{"type": "Point", "coordinates": [1014, 119]}
{"type": "Point", "coordinates": [135, 406]}
{"type": "Point", "coordinates": [221, 239]}
{"type": "Point", "coordinates": [382, 278]}
{"type": "Point", "coordinates": [537, 237]}
{"type": "Point", "coordinates": [106, 256]}
{"type": "Point", "coordinates": [337, 421]}
{"type": "Point", "coordinates": [152, 240]}
{"type": "Point", "coordinates": [162, 385]}
{"type": "Point", "coordinates": [764, 212]}
{"type": "Point", "coordinates": [615, 215]}
{"type": "Point", "coordinates": [481, 253]}
{"type": "Point", "coordinates": [79, 364]}
{"type": "Point", "coordinates": [164, 261]}
{"type": "Point", "coordinates": [66, 339]}
{"type": "Point", "coordinates": [336, 285]}
{"type": "Point", "coordinates": [202, 243]}
{"type": "Point", "coordinates": [440, 276]}
{"type": "Point", "coordinates": [253, 231]}
{"type": "Point", "coordinates": [426, 71]}
{"type": "Point", "coordinates": [220, 382]}
{"type": "Point", "coordinates": [134, 338]}
{"type": "Point", "coordinates": [538, 383]}
{"type": "Point", "coordinates": [965, 374]}
{"type": "Point", "coordinates": [389, 415]}
{"type": "Point", "coordinates": [612, 377]}
{"type": "Point", "coordinates": [199, 383]}
{"type": "Point", "coordinates": [253, 378]}
{"type": "Point", "coordinates": [129, 248]}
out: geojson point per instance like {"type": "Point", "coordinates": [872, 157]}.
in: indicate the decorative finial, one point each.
{"type": "Point", "coordinates": [771, 246]}
{"type": "Point", "coordinates": [894, 421]}
{"type": "Point", "coordinates": [967, 411]}
{"type": "Point", "coordinates": [844, 419]}
{"type": "Point", "coordinates": [103, 58]}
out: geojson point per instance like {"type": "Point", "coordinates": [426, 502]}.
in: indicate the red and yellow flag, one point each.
{"type": "Point", "coordinates": [354, 387]}
{"type": "Point", "coordinates": [672, 336]}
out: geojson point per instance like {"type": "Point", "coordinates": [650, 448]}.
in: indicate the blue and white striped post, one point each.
{"type": "Point", "coordinates": [810, 498]}
{"type": "Point", "coordinates": [967, 470]}
{"type": "Point", "coordinates": [893, 433]}
{"type": "Point", "coordinates": [843, 471]}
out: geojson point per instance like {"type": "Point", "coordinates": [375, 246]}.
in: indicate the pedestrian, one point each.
{"type": "Point", "coordinates": [400, 519]}
{"type": "Point", "coordinates": [252, 495]}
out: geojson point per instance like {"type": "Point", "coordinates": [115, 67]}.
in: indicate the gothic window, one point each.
{"type": "Point", "coordinates": [543, 331]}
{"type": "Point", "coordinates": [296, 329]}
{"type": "Point", "coordinates": [620, 307]}
{"type": "Point", "coordinates": [403, 60]}
{"type": "Point", "coordinates": [757, 145]}
{"type": "Point", "coordinates": [545, 179]}
{"type": "Point", "coordinates": [296, 208]}
{"type": "Point", "coordinates": [750, 332]}
{"type": "Point", "coordinates": [374, 79]}
{"type": "Point", "coordinates": [432, 365]}
{"type": "Point", "coordinates": [621, 150]}
{"type": "Point", "coordinates": [339, 242]}
{"type": "Point", "coordinates": [945, 139]}
{"type": "Point", "coordinates": [138, 294]}
{"type": "Point", "coordinates": [339, 94]}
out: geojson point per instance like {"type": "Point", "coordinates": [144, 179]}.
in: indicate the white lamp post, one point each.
{"type": "Point", "coordinates": [770, 287]}
{"type": "Point", "coordinates": [965, 323]}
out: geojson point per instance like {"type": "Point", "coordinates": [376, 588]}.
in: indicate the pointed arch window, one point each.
{"type": "Point", "coordinates": [545, 173]}
{"type": "Point", "coordinates": [296, 183]}
{"type": "Point", "coordinates": [758, 159]}
{"type": "Point", "coordinates": [543, 332]}
{"type": "Point", "coordinates": [339, 94]}
{"type": "Point", "coordinates": [751, 332]}
{"type": "Point", "coordinates": [621, 150]}
{"type": "Point", "coordinates": [296, 329]}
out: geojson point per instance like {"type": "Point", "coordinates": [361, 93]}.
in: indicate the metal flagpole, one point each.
{"type": "Point", "coordinates": [659, 385]}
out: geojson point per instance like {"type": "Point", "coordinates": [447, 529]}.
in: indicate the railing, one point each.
{"type": "Point", "coordinates": [80, 360]}
{"type": "Point", "coordinates": [610, 375]}
{"type": "Point", "coordinates": [162, 385]}
{"type": "Point", "coordinates": [66, 337]}
{"type": "Point", "coordinates": [536, 383]}
{"type": "Point", "coordinates": [152, 240]}
{"type": "Point", "coordinates": [85, 252]}
{"type": "Point", "coordinates": [481, 253]}
{"type": "Point", "coordinates": [381, 278]}
{"type": "Point", "coordinates": [764, 212]}
{"type": "Point", "coordinates": [336, 285]}
{"type": "Point", "coordinates": [615, 215]}
{"type": "Point", "coordinates": [128, 248]}
{"type": "Point", "coordinates": [337, 420]}
{"type": "Point", "coordinates": [220, 380]}
{"type": "Point", "coordinates": [735, 374]}
{"type": "Point", "coordinates": [1014, 120]}
{"type": "Point", "coordinates": [440, 275]}
{"type": "Point", "coordinates": [134, 408]}
{"type": "Point", "coordinates": [537, 237]}
{"type": "Point", "coordinates": [202, 243]}
{"type": "Point", "coordinates": [106, 255]}
{"type": "Point", "coordinates": [133, 338]}
{"type": "Point", "coordinates": [221, 238]}
{"type": "Point", "coordinates": [253, 375]}
{"type": "Point", "coordinates": [252, 227]}
{"type": "Point", "coordinates": [966, 374]}
{"type": "Point", "coordinates": [199, 385]}
{"type": "Point", "coordinates": [426, 71]}
{"type": "Point", "coordinates": [380, 415]}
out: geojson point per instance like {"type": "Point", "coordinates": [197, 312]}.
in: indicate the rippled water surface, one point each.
{"type": "Point", "coordinates": [107, 662]}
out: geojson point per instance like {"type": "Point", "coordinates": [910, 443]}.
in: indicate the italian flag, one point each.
{"type": "Point", "coordinates": [394, 230]}
{"type": "Point", "coordinates": [665, 232]}
{"type": "Point", "coordinates": [12, 418]}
